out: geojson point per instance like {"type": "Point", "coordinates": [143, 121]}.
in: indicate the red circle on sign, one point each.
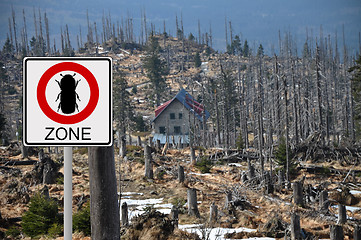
{"type": "Point", "coordinates": [94, 93]}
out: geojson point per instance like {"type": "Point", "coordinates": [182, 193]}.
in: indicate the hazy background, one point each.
{"type": "Point", "coordinates": [258, 21]}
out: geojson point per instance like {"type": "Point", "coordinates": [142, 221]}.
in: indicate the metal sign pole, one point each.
{"type": "Point", "coordinates": [68, 193]}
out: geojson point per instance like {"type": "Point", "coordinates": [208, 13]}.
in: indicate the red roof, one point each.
{"type": "Point", "coordinates": [161, 107]}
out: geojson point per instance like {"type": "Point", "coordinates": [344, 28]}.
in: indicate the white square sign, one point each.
{"type": "Point", "coordinates": [67, 101]}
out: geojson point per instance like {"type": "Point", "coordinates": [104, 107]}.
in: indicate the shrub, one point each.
{"type": "Point", "coordinates": [281, 158]}
{"type": "Point", "coordinates": [13, 232]}
{"type": "Point", "coordinates": [40, 217]}
{"type": "Point", "coordinates": [204, 165]}
{"type": "Point", "coordinates": [56, 230]}
{"type": "Point", "coordinates": [81, 220]}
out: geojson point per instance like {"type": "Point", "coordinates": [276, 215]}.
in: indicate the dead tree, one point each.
{"type": "Point", "coordinates": [104, 210]}
{"type": "Point", "coordinates": [148, 162]}
{"type": "Point", "coordinates": [125, 220]}
{"type": "Point", "coordinates": [295, 227]}
{"type": "Point", "coordinates": [192, 202]}
{"type": "Point", "coordinates": [336, 232]}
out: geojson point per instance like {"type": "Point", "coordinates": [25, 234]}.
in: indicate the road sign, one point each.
{"type": "Point", "coordinates": [67, 101]}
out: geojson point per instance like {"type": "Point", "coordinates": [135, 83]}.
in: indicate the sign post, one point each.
{"type": "Point", "coordinates": [68, 192]}
{"type": "Point", "coordinates": [67, 102]}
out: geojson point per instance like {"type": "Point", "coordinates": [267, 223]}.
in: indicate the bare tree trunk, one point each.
{"type": "Point", "coordinates": [104, 210]}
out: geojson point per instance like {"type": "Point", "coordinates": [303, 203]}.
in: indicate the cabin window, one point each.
{"type": "Point", "coordinates": [177, 130]}
{"type": "Point", "coordinates": [180, 115]}
{"type": "Point", "coordinates": [172, 116]}
{"type": "Point", "coordinates": [162, 130]}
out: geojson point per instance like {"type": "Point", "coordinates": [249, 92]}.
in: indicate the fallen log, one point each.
{"type": "Point", "coordinates": [19, 163]}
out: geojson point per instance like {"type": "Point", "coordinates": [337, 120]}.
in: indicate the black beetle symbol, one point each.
{"type": "Point", "coordinates": [68, 94]}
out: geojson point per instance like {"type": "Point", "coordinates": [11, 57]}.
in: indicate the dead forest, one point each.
{"type": "Point", "coordinates": [279, 157]}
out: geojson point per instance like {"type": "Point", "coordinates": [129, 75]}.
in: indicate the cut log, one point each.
{"type": "Point", "coordinates": [336, 232]}
{"type": "Point", "coordinates": [192, 202]}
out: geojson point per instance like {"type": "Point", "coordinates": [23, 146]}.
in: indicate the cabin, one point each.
{"type": "Point", "coordinates": [174, 119]}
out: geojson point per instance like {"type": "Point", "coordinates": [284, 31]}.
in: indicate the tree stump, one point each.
{"type": "Point", "coordinates": [295, 227]}
{"type": "Point", "coordinates": [148, 162]}
{"type": "Point", "coordinates": [158, 145]}
{"type": "Point", "coordinates": [50, 171]}
{"type": "Point", "coordinates": [324, 202]}
{"type": "Point", "coordinates": [180, 143]}
{"type": "Point", "coordinates": [193, 156]}
{"type": "Point", "coordinates": [251, 171]}
{"type": "Point", "coordinates": [41, 154]}
{"type": "Point", "coordinates": [298, 194]}
{"type": "Point", "coordinates": [174, 215]}
{"type": "Point", "coordinates": [228, 199]}
{"type": "Point", "coordinates": [356, 233]}
{"type": "Point", "coordinates": [342, 218]}
{"type": "Point", "coordinates": [150, 141]}
{"type": "Point", "coordinates": [24, 150]}
{"type": "Point", "coordinates": [180, 174]}
{"type": "Point", "coordinates": [268, 183]}
{"type": "Point", "coordinates": [336, 232]}
{"type": "Point", "coordinates": [125, 220]}
{"type": "Point", "coordinates": [192, 202]}
{"type": "Point", "coordinates": [213, 213]}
